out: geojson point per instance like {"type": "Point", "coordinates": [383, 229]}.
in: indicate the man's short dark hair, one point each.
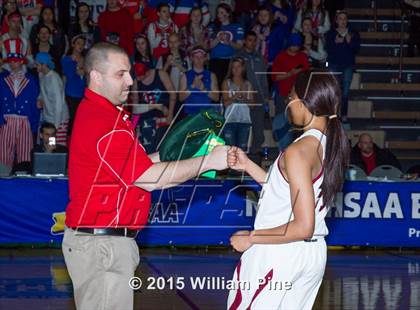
{"type": "Point", "coordinates": [47, 125]}
{"type": "Point", "coordinates": [250, 33]}
{"type": "Point", "coordinates": [162, 5]}
{"type": "Point", "coordinates": [97, 57]}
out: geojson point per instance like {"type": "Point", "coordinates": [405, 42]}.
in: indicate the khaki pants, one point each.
{"type": "Point", "coordinates": [100, 268]}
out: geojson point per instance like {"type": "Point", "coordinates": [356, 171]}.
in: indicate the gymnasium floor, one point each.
{"type": "Point", "coordinates": [358, 279]}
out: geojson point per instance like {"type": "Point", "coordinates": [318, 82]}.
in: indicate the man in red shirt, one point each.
{"type": "Point", "coordinates": [367, 155]}
{"type": "Point", "coordinates": [117, 21]}
{"type": "Point", "coordinates": [110, 180]}
{"type": "Point", "coordinates": [286, 66]}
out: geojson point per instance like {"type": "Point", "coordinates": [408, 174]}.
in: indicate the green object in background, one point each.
{"type": "Point", "coordinates": [211, 142]}
{"type": "Point", "coordinates": [186, 137]}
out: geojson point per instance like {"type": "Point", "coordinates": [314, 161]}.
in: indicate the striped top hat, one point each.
{"type": "Point", "coordinates": [14, 50]}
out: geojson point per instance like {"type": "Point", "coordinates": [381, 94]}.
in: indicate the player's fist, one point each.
{"type": "Point", "coordinates": [241, 240]}
{"type": "Point", "coordinates": [237, 159]}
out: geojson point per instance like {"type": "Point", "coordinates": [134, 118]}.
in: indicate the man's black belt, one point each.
{"type": "Point", "coordinates": [122, 232]}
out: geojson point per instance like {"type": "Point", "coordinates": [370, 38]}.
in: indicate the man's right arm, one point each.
{"type": "Point", "coordinates": [169, 174]}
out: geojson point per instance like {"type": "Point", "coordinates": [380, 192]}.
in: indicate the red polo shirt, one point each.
{"type": "Point", "coordinates": [105, 160]}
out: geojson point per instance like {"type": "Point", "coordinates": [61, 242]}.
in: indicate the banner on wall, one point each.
{"type": "Point", "coordinates": [208, 212]}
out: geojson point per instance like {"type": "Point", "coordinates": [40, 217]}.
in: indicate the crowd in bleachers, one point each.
{"type": "Point", "coordinates": [239, 54]}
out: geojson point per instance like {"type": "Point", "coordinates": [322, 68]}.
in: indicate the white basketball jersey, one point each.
{"type": "Point", "coordinates": [274, 205]}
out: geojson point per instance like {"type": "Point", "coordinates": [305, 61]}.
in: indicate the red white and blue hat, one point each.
{"type": "Point", "coordinates": [14, 50]}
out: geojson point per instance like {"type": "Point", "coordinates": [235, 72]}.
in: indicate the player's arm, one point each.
{"type": "Point", "coordinates": [169, 174]}
{"type": "Point", "coordinates": [238, 160]}
{"type": "Point", "coordinates": [299, 174]}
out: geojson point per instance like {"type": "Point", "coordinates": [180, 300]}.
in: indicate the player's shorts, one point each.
{"type": "Point", "coordinates": [279, 276]}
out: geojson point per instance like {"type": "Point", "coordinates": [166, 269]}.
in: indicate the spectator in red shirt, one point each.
{"type": "Point", "coordinates": [117, 20]}
{"type": "Point", "coordinates": [110, 180]}
{"type": "Point", "coordinates": [286, 66]}
{"type": "Point", "coordinates": [367, 155]}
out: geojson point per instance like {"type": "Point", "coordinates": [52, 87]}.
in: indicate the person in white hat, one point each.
{"type": "Point", "coordinates": [19, 112]}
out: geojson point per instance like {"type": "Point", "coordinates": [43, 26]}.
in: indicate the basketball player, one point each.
{"type": "Point", "coordinates": [284, 257]}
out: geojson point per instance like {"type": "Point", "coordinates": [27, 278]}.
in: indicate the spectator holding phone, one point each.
{"type": "Point", "coordinates": [48, 139]}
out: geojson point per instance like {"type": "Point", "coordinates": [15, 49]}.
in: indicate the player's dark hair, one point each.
{"type": "Point", "coordinates": [320, 93]}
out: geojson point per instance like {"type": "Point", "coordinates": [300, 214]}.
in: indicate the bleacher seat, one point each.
{"type": "Point", "coordinates": [387, 171]}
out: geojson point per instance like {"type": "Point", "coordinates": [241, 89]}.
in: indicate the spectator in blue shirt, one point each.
{"type": "Point", "coordinates": [225, 39]}
{"type": "Point", "coordinates": [342, 45]}
{"type": "Point", "coordinates": [271, 36]}
{"type": "Point", "coordinates": [72, 67]}
{"type": "Point", "coordinates": [283, 14]}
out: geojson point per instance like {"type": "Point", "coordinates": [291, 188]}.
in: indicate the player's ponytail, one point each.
{"type": "Point", "coordinates": [336, 160]}
{"type": "Point", "coordinates": [321, 94]}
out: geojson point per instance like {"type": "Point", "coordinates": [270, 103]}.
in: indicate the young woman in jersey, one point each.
{"type": "Point", "coordinates": [284, 256]}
